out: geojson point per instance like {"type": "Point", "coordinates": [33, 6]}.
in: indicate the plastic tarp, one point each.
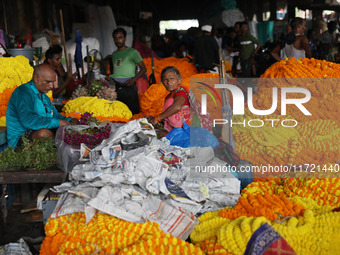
{"type": "Point", "coordinates": [230, 17]}
{"type": "Point", "coordinates": [103, 23]}
{"type": "Point", "coordinates": [265, 31]}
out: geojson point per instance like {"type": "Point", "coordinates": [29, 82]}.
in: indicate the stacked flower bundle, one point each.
{"type": "Point", "coordinates": [99, 88]}
{"type": "Point", "coordinates": [315, 138]}
{"type": "Point", "coordinates": [14, 72]}
{"type": "Point", "coordinates": [105, 234]}
{"type": "Point", "coordinates": [303, 68]}
{"type": "Point", "coordinates": [152, 101]}
{"type": "Point", "coordinates": [301, 210]}
{"type": "Point", "coordinates": [102, 109]}
{"type": "Point", "coordinates": [91, 136]}
{"type": "Point", "coordinates": [185, 66]}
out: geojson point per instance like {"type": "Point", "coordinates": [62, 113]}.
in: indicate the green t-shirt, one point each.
{"type": "Point", "coordinates": [124, 63]}
{"type": "Point", "coordinates": [247, 43]}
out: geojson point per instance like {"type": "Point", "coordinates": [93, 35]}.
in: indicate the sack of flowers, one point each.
{"type": "Point", "coordinates": [72, 140]}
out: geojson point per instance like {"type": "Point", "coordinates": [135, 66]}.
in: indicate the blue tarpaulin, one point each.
{"type": "Point", "coordinates": [78, 57]}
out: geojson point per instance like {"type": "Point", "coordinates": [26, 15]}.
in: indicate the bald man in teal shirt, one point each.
{"type": "Point", "coordinates": [30, 110]}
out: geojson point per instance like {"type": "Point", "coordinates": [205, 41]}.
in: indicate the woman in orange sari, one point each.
{"type": "Point", "coordinates": [176, 109]}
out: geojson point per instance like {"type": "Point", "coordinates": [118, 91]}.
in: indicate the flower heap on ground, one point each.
{"type": "Point", "coordinates": [102, 109]}
{"type": "Point", "coordinates": [184, 66]}
{"type": "Point", "coordinates": [301, 210]}
{"type": "Point", "coordinates": [315, 138]}
{"type": "Point", "coordinates": [15, 71]}
{"type": "Point", "coordinates": [105, 234]}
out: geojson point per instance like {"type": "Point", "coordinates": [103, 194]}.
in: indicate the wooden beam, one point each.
{"type": "Point", "coordinates": [35, 176]}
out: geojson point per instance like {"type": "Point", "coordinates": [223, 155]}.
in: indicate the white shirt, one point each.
{"type": "Point", "coordinates": [219, 41]}
{"type": "Point", "coordinates": [292, 52]}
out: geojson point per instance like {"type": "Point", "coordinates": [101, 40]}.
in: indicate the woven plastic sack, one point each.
{"type": "Point", "coordinates": [68, 155]}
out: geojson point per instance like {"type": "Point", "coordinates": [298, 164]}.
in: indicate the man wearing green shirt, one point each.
{"type": "Point", "coordinates": [247, 50]}
{"type": "Point", "coordinates": [124, 61]}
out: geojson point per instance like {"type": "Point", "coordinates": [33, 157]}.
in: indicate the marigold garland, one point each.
{"type": "Point", "coordinates": [99, 107]}
{"type": "Point", "coordinates": [152, 101]}
{"type": "Point", "coordinates": [3, 121]}
{"type": "Point", "coordinates": [184, 66]}
{"type": "Point", "coordinates": [210, 246]}
{"type": "Point", "coordinates": [308, 234]}
{"type": "Point", "coordinates": [15, 71]}
{"type": "Point", "coordinates": [304, 68]}
{"type": "Point", "coordinates": [105, 234]}
{"type": "Point", "coordinates": [271, 206]}
{"type": "Point", "coordinates": [315, 139]}
{"type": "Point", "coordinates": [77, 115]}
{"type": "Point", "coordinates": [314, 198]}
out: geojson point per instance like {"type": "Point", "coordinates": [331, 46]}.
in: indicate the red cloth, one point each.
{"type": "Point", "coordinates": [182, 93]}
{"type": "Point", "coordinates": [144, 50]}
{"type": "Point", "coordinates": [280, 247]}
{"type": "Point", "coordinates": [267, 241]}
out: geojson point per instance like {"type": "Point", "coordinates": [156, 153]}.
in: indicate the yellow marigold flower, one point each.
{"type": "Point", "coordinates": [3, 121]}
{"type": "Point", "coordinates": [99, 107]}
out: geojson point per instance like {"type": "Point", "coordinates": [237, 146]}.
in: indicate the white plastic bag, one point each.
{"type": "Point", "coordinates": [68, 155]}
{"type": "Point", "coordinates": [171, 220]}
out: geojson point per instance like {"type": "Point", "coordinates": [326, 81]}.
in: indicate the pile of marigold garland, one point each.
{"type": "Point", "coordinates": [301, 210]}
{"type": "Point", "coordinates": [184, 65]}
{"type": "Point", "coordinates": [102, 109]}
{"type": "Point", "coordinates": [304, 211]}
{"type": "Point", "coordinates": [315, 138]}
{"type": "Point", "coordinates": [152, 100]}
{"type": "Point", "coordinates": [15, 71]}
{"type": "Point", "coordinates": [105, 234]}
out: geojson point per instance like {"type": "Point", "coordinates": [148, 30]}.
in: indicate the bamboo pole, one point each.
{"type": "Point", "coordinates": [63, 39]}
{"type": "Point", "coordinates": [82, 69]}
{"type": "Point", "coordinates": [88, 65]}
{"type": "Point", "coordinates": [69, 67]}
{"type": "Point", "coordinates": [226, 109]}
{"type": "Point", "coordinates": [5, 19]}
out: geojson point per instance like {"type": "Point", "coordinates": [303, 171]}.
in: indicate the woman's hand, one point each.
{"type": "Point", "coordinates": [75, 76]}
{"type": "Point", "coordinates": [155, 120]}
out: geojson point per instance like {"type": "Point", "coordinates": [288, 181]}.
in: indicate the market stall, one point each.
{"type": "Point", "coordinates": [131, 192]}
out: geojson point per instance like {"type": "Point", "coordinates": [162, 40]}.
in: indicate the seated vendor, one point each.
{"type": "Point", "coordinates": [53, 58]}
{"type": "Point", "coordinates": [30, 111]}
{"type": "Point", "coordinates": [176, 109]}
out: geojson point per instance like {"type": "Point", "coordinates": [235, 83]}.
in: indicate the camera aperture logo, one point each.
{"type": "Point", "coordinates": [238, 105]}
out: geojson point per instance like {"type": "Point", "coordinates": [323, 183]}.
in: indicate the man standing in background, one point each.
{"type": "Point", "coordinates": [124, 61]}
{"type": "Point", "coordinates": [247, 50]}
{"type": "Point", "coordinates": [206, 51]}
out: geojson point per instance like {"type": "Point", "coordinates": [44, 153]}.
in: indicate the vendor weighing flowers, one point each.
{"type": "Point", "coordinates": [176, 109]}
{"type": "Point", "coordinates": [30, 111]}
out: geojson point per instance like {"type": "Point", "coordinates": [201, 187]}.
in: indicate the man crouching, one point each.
{"type": "Point", "coordinates": [30, 111]}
